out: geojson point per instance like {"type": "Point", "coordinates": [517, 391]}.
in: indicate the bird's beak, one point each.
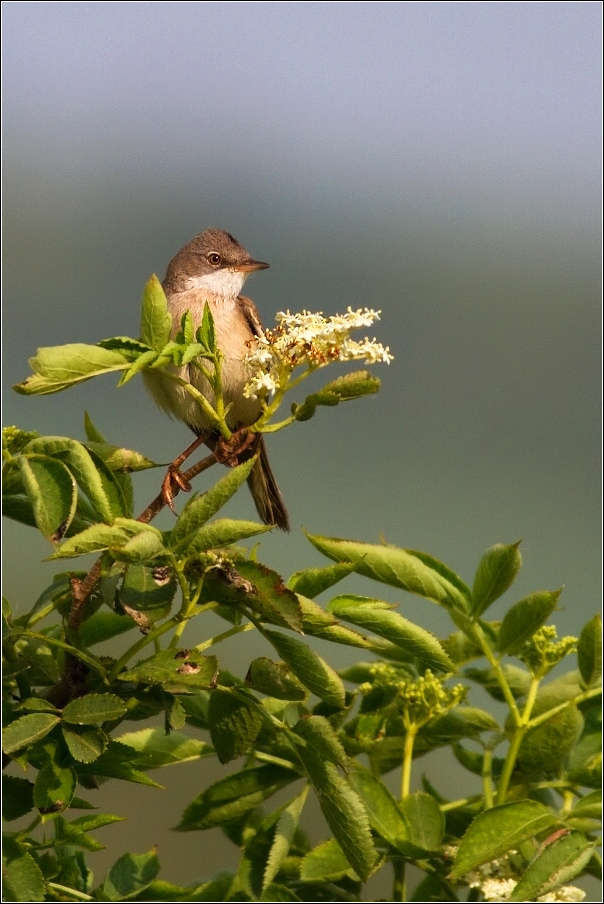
{"type": "Point", "coordinates": [251, 266]}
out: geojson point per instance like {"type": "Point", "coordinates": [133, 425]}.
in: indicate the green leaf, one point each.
{"type": "Point", "coordinates": [52, 492]}
{"type": "Point", "coordinates": [274, 679]}
{"type": "Point", "coordinates": [223, 532]}
{"type": "Point", "coordinates": [93, 476]}
{"type": "Point", "coordinates": [27, 730]}
{"type": "Point", "coordinates": [116, 762]}
{"type": "Point", "coordinates": [130, 875]}
{"type": "Point", "coordinates": [496, 572]}
{"type": "Point", "coordinates": [426, 820]}
{"type": "Point", "coordinates": [526, 617]}
{"type": "Point", "coordinates": [494, 832]}
{"type": "Point", "coordinates": [206, 333]}
{"type": "Point", "coordinates": [104, 536]}
{"type": "Point", "coordinates": [23, 879]}
{"type": "Point", "coordinates": [283, 837]}
{"type": "Point", "coordinates": [312, 671]}
{"type": "Point", "coordinates": [545, 747]}
{"type": "Point", "coordinates": [415, 641]}
{"type": "Point", "coordinates": [93, 708]}
{"type": "Point", "coordinates": [256, 587]}
{"type": "Point", "coordinates": [385, 815]}
{"type": "Point", "coordinates": [556, 863]}
{"type": "Point", "coordinates": [344, 811]}
{"type": "Point", "coordinates": [175, 669]}
{"type": "Point", "coordinates": [318, 732]}
{"type": "Point", "coordinates": [235, 723]}
{"type": "Point", "coordinates": [411, 570]}
{"type": "Point", "coordinates": [54, 787]}
{"type": "Point", "coordinates": [85, 744]}
{"type": "Point", "coordinates": [93, 435]}
{"type": "Point", "coordinates": [234, 796]}
{"type": "Point", "coordinates": [147, 359]}
{"type": "Point", "coordinates": [589, 807]}
{"type": "Point", "coordinates": [313, 581]}
{"type": "Point", "coordinates": [342, 389]}
{"type": "Point", "coordinates": [140, 549]}
{"type": "Point", "coordinates": [518, 680]}
{"type": "Point", "coordinates": [589, 651]}
{"type": "Point", "coordinates": [325, 863]}
{"type": "Point", "coordinates": [149, 591]}
{"type": "Point", "coordinates": [103, 626]}
{"type": "Point", "coordinates": [201, 508]}
{"type": "Point", "coordinates": [61, 366]}
{"type": "Point", "coordinates": [154, 748]}
{"type": "Point", "coordinates": [118, 459]}
{"type": "Point", "coordinates": [17, 797]}
{"type": "Point", "coordinates": [156, 321]}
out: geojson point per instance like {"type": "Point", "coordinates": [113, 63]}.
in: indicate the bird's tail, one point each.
{"type": "Point", "coordinates": [265, 492]}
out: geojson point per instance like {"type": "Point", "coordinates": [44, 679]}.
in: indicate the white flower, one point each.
{"type": "Point", "coordinates": [564, 893]}
{"type": "Point", "coordinates": [498, 889]}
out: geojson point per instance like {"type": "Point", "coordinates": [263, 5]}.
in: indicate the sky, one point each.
{"type": "Point", "coordinates": [439, 162]}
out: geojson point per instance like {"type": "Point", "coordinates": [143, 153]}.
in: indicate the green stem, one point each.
{"type": "Point", "coordinates": [479, 637]}
{"type": "Point", "coordinates": [64, 890]}
{"type": "Point", "coordinates": [77, 654]}
{"type": "Point", "coordinates": [515, 742]}
{"type": "Point", "coordinates": [399, 890]}
{"type": "Point", "coordinates": [487, 778]}
{"type": "Point", "coordinates": [139, 645]}
{"type": "Point", "coordinates": [237, 629]}
{"type": "Point", "coordinates": [407, 761]}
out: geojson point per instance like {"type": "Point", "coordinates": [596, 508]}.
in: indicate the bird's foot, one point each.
{"type": "Point", "coordinates": [172, 484]}
{"type": "Point", "coordinates": [227, 451]}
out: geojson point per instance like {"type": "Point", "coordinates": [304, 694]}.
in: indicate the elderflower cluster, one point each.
{"type": "Point", "coordinates": [311, 340]}
{"type": "Point", "coordinates": [498, 879]}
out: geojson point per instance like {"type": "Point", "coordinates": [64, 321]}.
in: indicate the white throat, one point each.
{"type": "Point", "coordinates": [225, 282]}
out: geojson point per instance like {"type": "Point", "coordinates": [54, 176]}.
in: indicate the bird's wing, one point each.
{"type": "Point", "coordinates": [250, 312]}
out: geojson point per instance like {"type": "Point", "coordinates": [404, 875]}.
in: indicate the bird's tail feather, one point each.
{"type": "Point", "coordinates": [265, 492]}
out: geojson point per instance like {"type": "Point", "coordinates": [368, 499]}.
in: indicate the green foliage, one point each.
{"type": "Point", "coordinates": [286, 721]}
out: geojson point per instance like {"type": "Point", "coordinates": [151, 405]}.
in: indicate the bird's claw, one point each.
{"type": "Point", "coordinates": [172, 484]}
{"type": "Point", "coordinates": [227, 451]}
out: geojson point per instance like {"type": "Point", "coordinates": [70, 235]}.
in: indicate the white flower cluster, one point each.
{"type": "Point", "coordinates": [498, 879]}
{"type": "Point", "coordinates": [312, 340]}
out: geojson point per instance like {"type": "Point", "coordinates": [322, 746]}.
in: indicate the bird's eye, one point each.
{"type": "Point", "coordinates": [214, 259]}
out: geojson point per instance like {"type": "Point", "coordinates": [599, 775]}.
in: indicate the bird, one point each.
{"type": "Point", "coordinates": [212, 269]}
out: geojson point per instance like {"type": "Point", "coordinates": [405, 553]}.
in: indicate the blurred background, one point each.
{"type": "Point", "coordinates": [437, 161]}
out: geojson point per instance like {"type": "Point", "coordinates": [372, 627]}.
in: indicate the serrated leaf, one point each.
{"type": "Point", "coordinates": [70, 833]}
{"type": "Point", "coordinates": [154, 748]}
{"type": "Point", "coordinates": [234, 796]}
{"type": "Point", "coordinates": [344, 811]}
{"type": "Point", "coordinates": [589, 806]}
{"type": "Point", "coordinates": [52, 491]}
{"type": "Point", "coordinates": [173, 668]}
{"type": "Point", "coordinates": [200, 509]}
{"type": "Point", "coordinates": [411, 570]}
{"type": "Point", "coordinates": [116, 762]}
{"type": "Point", "coordinates": [119, 459]}
{"type": "Point", "coordinates": [223, 532]}
{"type": "Point", "coordinates": [385, 815]}
{"type": "Point", "coordinates": [17, 797]}
{"type": "Point", "coordinates": [27, 730]}
{"type": "Point", "coordinates": [524, 618]}
{"type": "Point", "coordinates": [59, 367]}
{"type": "Point", "coordinates": [147, 359]}
{"type": "Point", "coordinates": [313, 672]}
{"type": "Point", "coordinates": [415, 641]}
{"type": "Point", "coordinates": [93, 476]}
{"type": "Point", "coordinates": [342, 389]}
{"type": "Point", "coordinates": [54, 787]}
{"type": "Point", "coordinates": [130, 875]}
{"type": "Point", "coordinates": [140, 549]}
{"type": "Point", "coordinates": [496, 572]}
{"type": "Point", "coordinates": [318, 732]}
{"type": "Point", "coordinates": [325, 863]}
{"type": "Point", "coordinates": [518, 680]}
{"type": "Point", "coordinates": [589, 651]}
{"type": "Point", "coordinates": [92, 708]}
{"type": "Point", "coordinates": [426, 820]}
{"type": "Point", "coordinates": [255, 586]}
{"type": "Point", "coordinates": [274, 679]}
{"type": "Point", "coordinates": [545, 747]}
{"type": "Point", "coordinates": [156, 321]}
{"type": "Point", "coordinates": [235, 723]}
{"type": "Point", "coordinates": [206, 332]}
{"type": "Point", "coordinates": [284, 835]}
{"type": "Point", "coordinates": [23, 879]}
{"type": "Point", "coordinates": [496, 831]}
{"type": "Point", "coordinates": [104, 536]}
{"type": "Point", "coordinates": [555, 864]}
{"type": "Point", "coordinates": [85, 744]}
{"type": "Point", "coordinates": [103, 626]}
{"type": "Point", "coordinates": [313, 581]}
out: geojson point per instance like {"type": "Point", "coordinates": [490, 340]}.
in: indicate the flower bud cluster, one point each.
{"type": "Point", "coordinates": [310, 340]}
{"type": "Point", "coordinates": [542, 652]}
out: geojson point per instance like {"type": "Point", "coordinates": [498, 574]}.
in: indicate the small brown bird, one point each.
{"type": "Point", "coordinates": [212, 268]}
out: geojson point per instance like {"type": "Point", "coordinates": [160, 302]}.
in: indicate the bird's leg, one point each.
{"type": "Point", "coordinates": [227, 451]}
{"type": "Point", "coordinates": [175, 480]}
